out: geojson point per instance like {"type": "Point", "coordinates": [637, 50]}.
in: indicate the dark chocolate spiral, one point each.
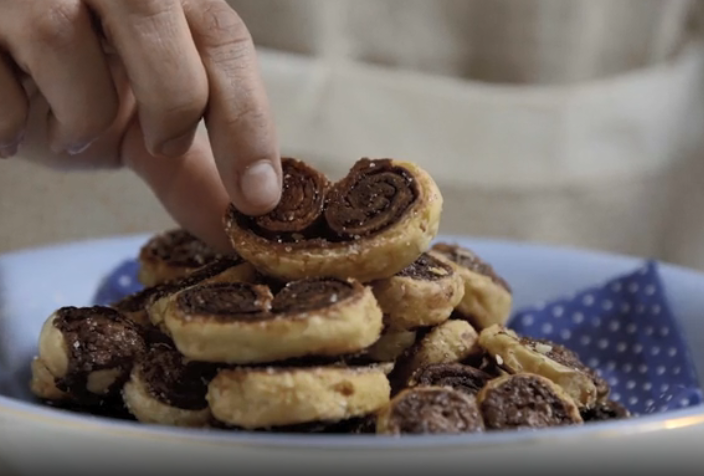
{"type": "Point", "coordinates": [433, 411]}
{"type": "Point", "coordinates": [372, 197]}
{"type": "Point", "coordinates": [606, 411]}
{"type": "Point", "coordinates": [462, 378]}
{"type": "Point", "coordinates": [426, 268]}
{"type": "Point", "coordinates": [524, 401]}
{"type": "Point", "coordinates": [227, 301]}
{"type": "Point", "coordinates": [302, 200]}
{"type": "Point", "coordinates": [311, 294]}
{"type": "Point", "coordinates": [173, 381]}
{"type": "Point", "coordinates": [179, 248]}
{"type": "Point", "coordinates": [97, 338]}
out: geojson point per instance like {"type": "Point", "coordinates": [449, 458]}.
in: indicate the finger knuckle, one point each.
{"type": "Point", "coordinates": [55, 24]}
{"type": "Point", "coordinates": [220, 26]}
{"type": "Point", "coordinates": [248, 113]}
{"type": "Point", "coordinates": [146, 8]}
{"type": "Point", "coordinates": [189, 106]}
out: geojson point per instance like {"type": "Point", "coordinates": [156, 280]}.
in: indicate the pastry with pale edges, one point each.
{"type": "Point", "coordinates": [165, 388]}
{"type": "Point", "coordinates": [487, 298]}
{"type": "Point", "coordinates": [391, 345]}
{"type": "Point", "coordinates": [43, 383]}
{"type": "Point", "coordinates": [451, 341]}
{"type": "Point", "coordinates": [423, 294]}
{"type": "Point", "coordinates": [237, 323]}
{"type": "Point", "coordinates": [172, 255]}
{"type": "Point", "coordinates": [90, 351]}
{"type": "Point", "coordinates": [252, 398]}
{"type": "Point", "coordinates": [370, 225]}
{"type": "Point", "coordinates": [153, 300]}
{"type": "Point", "coordinates": [522, 354]}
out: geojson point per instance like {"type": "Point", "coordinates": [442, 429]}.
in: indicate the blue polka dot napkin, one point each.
{"type": "Point", "coordinates": [623, 328]}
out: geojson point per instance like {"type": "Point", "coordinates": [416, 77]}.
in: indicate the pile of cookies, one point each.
{"type": "Point", "coordinates": [333, 313]}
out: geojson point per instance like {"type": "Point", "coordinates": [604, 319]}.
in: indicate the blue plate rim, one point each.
{"type": "Point", "coordinates": [675, 419]}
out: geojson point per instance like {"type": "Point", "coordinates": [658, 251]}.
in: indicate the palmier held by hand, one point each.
{"type": "Point", "coordinates": [369, 225]}
{"type": "Point", "coordinates": [237, 323]}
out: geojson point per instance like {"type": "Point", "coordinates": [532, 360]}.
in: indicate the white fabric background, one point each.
{"type": "Point", "coordinates": [576, 122]}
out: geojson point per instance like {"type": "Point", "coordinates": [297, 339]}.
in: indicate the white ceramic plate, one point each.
{"type": "Point", "coordinates": [33, 438]}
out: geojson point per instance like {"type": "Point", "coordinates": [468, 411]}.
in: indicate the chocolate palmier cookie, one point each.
{"type": "Point", "coordinates": [236, 323]}
{"type": "Point", "coordinates": [391, 345]}
{"type": "Point", "coordinates": [89, 351]}
{"type": "Point", "coordinates": [487, 297]}
{"type": "Point", "coordinates": [43, 383]}
{"type": "Point", "coordinates": [172, 255]}
{"type": "Point", "coordinates": [370, 225]}
{"type": "Point", "coordinates": [165, 388]}
{"type": "Point", "coordinates": [460, 377]}
{"type": "Point", "coordinates": [422, 294]}
{"type": "Point", "coordinates": [253, 398]}
{"type": "Point", "coordinates": [524, 401]}
{"type": "Point", "coordinates": [517, 354]}
{"type": "Point", "coordinates": [153, 300]}
{"type": "Point", "coordinates": [430, 410]}
{"type": "Point", "coordinates": [451, 341]}
{"type": "Point", "coordinates": [605, 411]}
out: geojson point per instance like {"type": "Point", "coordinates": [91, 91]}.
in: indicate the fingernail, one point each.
{"type": "Point", "coordinates": [260, 185]}
{"type": "Point", "coordinates": [178, 146]}
{"type": "Point", "coordinates": [11, 149]}
{"type": "Point", "coordinates": [78, 148]}
{"type": "Point", "coordinates": [8, 151]}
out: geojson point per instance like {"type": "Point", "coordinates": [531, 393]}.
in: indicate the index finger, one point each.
{"type": "Point", "coordinates": [238, 117]}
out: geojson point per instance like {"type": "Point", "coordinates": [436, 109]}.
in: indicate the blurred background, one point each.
{"type": "Point", "coordinates": [572, 122]}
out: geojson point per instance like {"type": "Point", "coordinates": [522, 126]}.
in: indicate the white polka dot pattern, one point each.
{"type": "Point", "coordinates": [624, 329]}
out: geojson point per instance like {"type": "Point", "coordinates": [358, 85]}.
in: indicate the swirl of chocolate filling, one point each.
{"type": "Point", "coordinates": [208, 271]}
{"type": "Point", "coordinates": [173, 381]}
{"type": "Point", "coordinates": [467, 259]}
{"type": "Point", "coordinates": [433, 411]}
{"type": "Point", "coordinates": [97, 338]}
{"type": "Point", "coordinates": [462, 378]}
{"type": "Point", "coordinates": [564, 356]}
{"type": "Point", "coordinates": [524, 401]}
{"type": "Point", "coordinates": [605, 411]}
{"type": "Point", "coordinates": [302, 200]}
{"type": "Point", "coordinates": [227, 301]}
{"type": "Point", "coordinates": [180, 248]}
{"type": "Point", "coordinates": [426, 268]}
{"type": "Point", "coordinates": [372, 197]}
{"type": "Point", "coordinates": [311, 294]}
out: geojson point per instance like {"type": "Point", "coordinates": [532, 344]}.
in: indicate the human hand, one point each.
{"type": "Point", "coordinates": [106, 83]}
